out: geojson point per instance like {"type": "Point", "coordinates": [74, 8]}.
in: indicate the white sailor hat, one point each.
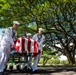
{"type": "Point", "coordinates": [16, 22]}
{"type": "Point", "coordinates": [28, 34]}
{"type": "Point", "coordinates": [41, 29]}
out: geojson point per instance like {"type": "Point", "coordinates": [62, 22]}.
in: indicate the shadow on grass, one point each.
{"type": "Point", "coordinates": [42, 70]}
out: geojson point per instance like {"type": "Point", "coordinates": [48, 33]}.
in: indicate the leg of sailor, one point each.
{"type": "Point", "coordinates": [29, 61]}
{"type": "Point", "coordinates": [36, 61]}
{"type": "Point", "coordinates": [4, 54]}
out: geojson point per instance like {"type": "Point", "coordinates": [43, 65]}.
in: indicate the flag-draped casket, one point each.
{"type": "Point", "coordinates": [26, 44]}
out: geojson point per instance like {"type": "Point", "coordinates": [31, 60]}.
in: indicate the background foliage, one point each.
{"type": "Point", "coordinates": [57, 17]}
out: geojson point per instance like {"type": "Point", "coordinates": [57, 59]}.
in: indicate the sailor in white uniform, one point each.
{"type": "Point", "coordinates": [39, 37]}
{"type": "Point", "coordinates": [6, 43]}
{"type": "Point", "coordinates": [28, 58]}
{"type": "Point", "coordinates": [30, 55]}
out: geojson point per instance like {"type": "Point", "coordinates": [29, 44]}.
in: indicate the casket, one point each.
{"type": "Point", "coordinates": [26, 44]}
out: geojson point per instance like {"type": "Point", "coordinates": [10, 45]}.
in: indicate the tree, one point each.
{"type": "Point", "coordinates": [63, 33]}
{"type": "Point", "coordinates": [57, 17]}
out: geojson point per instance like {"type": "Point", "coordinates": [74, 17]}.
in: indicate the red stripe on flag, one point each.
{"type": "Point", "coordinates": [23, 45]}
{"type": "Point", "coordinates": [29, 44]}
{"type": "Point", "coordinates": [35, 46]}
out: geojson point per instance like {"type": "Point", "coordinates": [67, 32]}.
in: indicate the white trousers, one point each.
{"type": "Point", "coordinates": [28, 62]}
{"type": "Point", "coordinates": [4, 54]}
{"type": "Point", "coordinates": [36, 61]}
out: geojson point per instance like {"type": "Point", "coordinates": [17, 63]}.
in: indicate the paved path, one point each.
{"type": "Point", "coordinates": [47, 71]}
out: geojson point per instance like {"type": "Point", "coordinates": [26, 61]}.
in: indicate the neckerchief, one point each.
{"type": "Point", "coordinates": [39, 37]}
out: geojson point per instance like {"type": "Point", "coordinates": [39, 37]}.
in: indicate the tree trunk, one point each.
{"type": "Point", "coordinates": [71, 58]}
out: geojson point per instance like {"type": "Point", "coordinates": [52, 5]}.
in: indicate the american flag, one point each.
{"type": "Point", "coordinates": [26, 44]}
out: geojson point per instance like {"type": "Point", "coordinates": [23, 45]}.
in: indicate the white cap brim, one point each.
{"type": "Point", "coordinates": [28, 34]}
{"type": "Point", "coordinates": [16, 22]}
{"type": "Point", "coordinates": [41, 29]}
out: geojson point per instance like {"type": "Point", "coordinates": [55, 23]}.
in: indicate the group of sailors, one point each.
{"type": "Point", "coordinates": [7, 40]}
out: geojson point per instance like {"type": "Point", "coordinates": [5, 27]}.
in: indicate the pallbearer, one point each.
{"type": "Point", "coordinates": [39, 37]}
{"type": "Point", "coordinates": [7, 42]}
{"type": "Point", "coordinates": [28, 58]}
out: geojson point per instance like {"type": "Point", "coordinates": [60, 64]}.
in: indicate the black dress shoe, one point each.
{"type": "Point", "coordinates": [18, 67]}
{"type": "Point", "coordinates": [36, 71]}
{"type": "Point", "coordinates": [5, 68]}
{"type": "Point", "coordinates": [1, 73]}
{"type": "Point", "coordinates": [25, 68]}
{"type": "Point", "coordinates": [29, 70]}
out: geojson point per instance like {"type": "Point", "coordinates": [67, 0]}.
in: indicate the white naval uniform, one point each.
{"type": "Point", "coordinates": [6, 42]}
{"type": "Point", "coordinates": [40, 40]}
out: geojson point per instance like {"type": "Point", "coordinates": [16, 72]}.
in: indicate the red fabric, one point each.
{"type": "Point", "coordinates": [20, 46]}
{"type": "Point", "coordinates": [35, 45]}
{"type": "Point", "coordinates": [17, 47]}
{"type": "Point", "coordinates": [29, 44]}
{"type": "Point", "coordinates": [23, 47]}
{"type": "Point", "coordinates": [15, 41]}
{"type": "Point", "coordinates": [35, 54]}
